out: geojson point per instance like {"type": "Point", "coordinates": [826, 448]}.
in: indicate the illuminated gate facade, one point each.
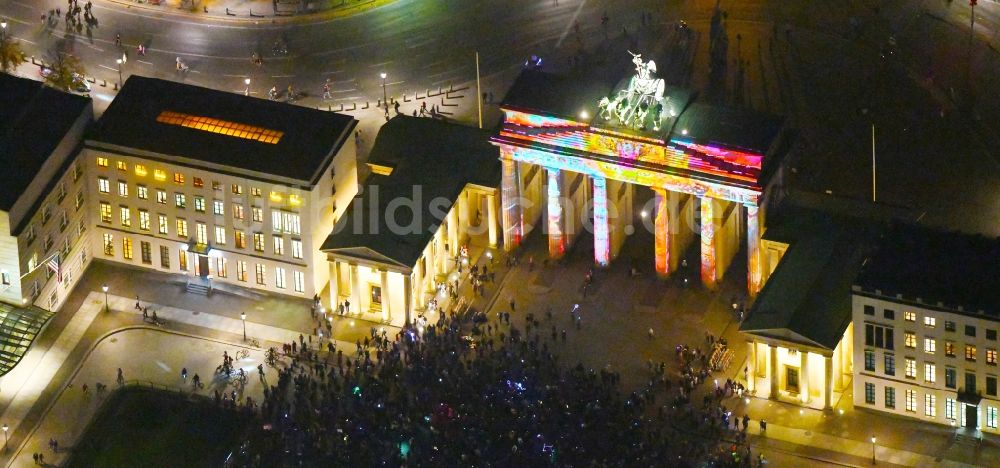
{"type": "Point", "coordinates": [572, 163]}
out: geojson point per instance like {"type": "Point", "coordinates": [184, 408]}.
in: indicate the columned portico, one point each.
{"type": "Point", "coordinates": [755, 269]}
{"type": "Point", "coordinates": [661, 224]}
{"type": "Point", "coordinates": [384, 296]}
{"type": "Point", "coordinates": [804, 375]}
{"type": "Point", "coordinates": [511, 201]}
{"type": "Point", "coordinates": [709, 243]}
{"type": "Point", "coordinates": [491, 218]}
{"type": "Point", "coordinates": [334, 285]}
{"type": "Point", "coordinates": [355, 289]}
{"type": "Point", "coordinates": [773, 352]}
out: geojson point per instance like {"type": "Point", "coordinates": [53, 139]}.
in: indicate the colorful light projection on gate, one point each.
{"type": "Point", "coordinates": [708, 261]}
{"type": "Point", "coordinates": [557, 234]}
{"type": "Point", "coordinates": [678, 153]}
{"type": "Point", "coordinates": [602, 238]}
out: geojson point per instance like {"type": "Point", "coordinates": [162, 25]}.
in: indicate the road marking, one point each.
{"type": "Point", "coordinates": [440, 81]}
{"type": "Point", "coordinates": [108, 68]}
{"type": "Point", "coordinates": [145, 62]}
{"type": "Point", "coordinates": [350, 98]}
{"type": "Point", "coordinates": [376, 65]}
{"type": "Point", "coordinates": [25, 40]}
{"type": "Point", "coordinates": [344, 90]}
{"type": "Point", "coordinates": [395, 83]}
{"type": "Point", "coordinates": [334, 72]}
{"type": "Point", "coordinates": [569, 25]}
{"type": "Point", "coordinates": [236, 76]}
{"type": "Point", "coordinates": [282, 76]}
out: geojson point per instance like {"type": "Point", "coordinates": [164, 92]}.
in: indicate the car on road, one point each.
{"type": "Point", "coordinates": [80, 84]}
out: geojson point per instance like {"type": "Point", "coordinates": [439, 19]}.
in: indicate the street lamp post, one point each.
{"type": "Point", "coordinates": [119, 62]}
{"type": "Point", "coordinates": [873, 450]}
{"type": "Point", "coordinates": [385, 99]}
{"type": "Point", "coordinates": [243, 316]}
{"type": "Point", "coordinates": [5, 428]}
{"type": "Point", "coordinates": [3, 30]}
{"type": "Point", "coordinates": [107, 308]}
{"type": "Point", "coordinates": [246, 92]}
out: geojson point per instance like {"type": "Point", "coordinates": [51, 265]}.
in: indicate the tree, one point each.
{"type": "Point", "coordinates": [11, 54]}
{"type": "Point", "coordinates": [66, 73]}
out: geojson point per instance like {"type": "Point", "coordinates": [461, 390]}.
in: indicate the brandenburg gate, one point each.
{"type": "Point", "coordinates": [575, 146]}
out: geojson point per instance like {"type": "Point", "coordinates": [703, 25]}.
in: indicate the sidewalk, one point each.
{"type": "Point", "coordinates": [255, 11]}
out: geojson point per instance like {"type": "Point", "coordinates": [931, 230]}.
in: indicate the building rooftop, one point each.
{"type": "Point", "coordinates": [34, 119]}
{"type": "Point", "coordinates": [958, 270]}
{"type": "Point", "coordinates": [428, 159]}
{"type": "Point", "coordinates": [730, 127]}
{"type": "Point", "coordinates": [19, 326]}
{"type": "Point", "coordinates": [807, 299]}
{"type": "Point", "coordinates": [218, 128]}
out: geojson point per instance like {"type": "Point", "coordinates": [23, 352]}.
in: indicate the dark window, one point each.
{"type": "Point", "coordinates": [949, 377]}
{"type": "Point", "coordinates": [889, 314]}
{"type": "Point", "coordinates": [991, 385]}
{"type": "Point", "coordinates": [879, 342]}
{"type": "Point", "coordinates": [970, 330]}
{"type": "Point", "coordinates": [870, 393]}
{"type": "Point", "coordinates": [869, 360]}
{"type": "Point", "coordinates": [949, 326]}
{"type": "Point", "coordinates": [869, 335]}
{"type": "Point", "coordinates": [889, 342]}
{"type": "Point", "coordinates": [970, 382]}
{"type": "Point", "coordinates": [869, 310]}
{"type": "Point", "coordinates": [991, 335]}
{"type": "Point", "coordinates": [890, 397]}
{"type": "Point", "coordinates": [890, 364]}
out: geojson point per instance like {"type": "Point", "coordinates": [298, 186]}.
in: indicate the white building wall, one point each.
{"type": "Point", "coordinates": [920, 384]}
{"type": "Point", "coordinates": [10, 263]}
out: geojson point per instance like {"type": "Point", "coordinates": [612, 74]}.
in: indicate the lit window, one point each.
{"type": "Point", "coordinates": [161, 196]}
{"type": "Point", "coordinates": [178, 178]}
{"type": "Point", "coordinates": [199, 204]}
{"type": "Point", "coordinates": [930, 345]}
{"type": "Point", "coordinates": [261, 273]}
{"type": "Point", "coordinates": [201, 233]}
{"type": "Point", "coordinates": [220, 267]}
{"type": "Point", "coordinates": [182, 227]}
{"type": "Point", "coordinates": [991, 417]}
{"type": "Point", "coordinates": [970, 352]}
{"type": "Point", "coordinates": [122, 165]}
{"type": "Point", "coordinates": [299, 280]}
{"type": "Point", "coordinates": [122, 188]}
{"type": "Point", "coordinates": [279, 245]}
{"type": "Point", "coordinates": [237, 189]}
{"type": "Point", "coordinates": [144, 220]}
{"type": "Point", "coordinates": [220, 235]}
{"type": "Point", "coordinates": [930, 322]}
{"type": "Point", "coordinates": [109, 244]}
{"type": "Point", "coordinates": [237, 211]}
{"type": "Point", "coordinates": [291, 223]}
{"type": "Point", "coordinates": [257, 214]}
{"type": "Point", "coordinates": [991, 356]}
{"type": "Point", "coordinates": [949, 408]}
{"type": "Point", "coordinates": [241, 270]}
{"type": "Point", "coordinates": [930, 405]}
{"type": "Point", "coordinates": [910, 340]}
{"type": "Point", "coordinates": [949, 348]}
{"type": "Point", "coordinates": [911, 400]}
{"type": "Point", "coordinates": [142, 192]}
{"type": "Point", "coordinates": [294, 200]}
{"type": "Point", "coordinates": [216, 185]}
{"type": "Point", "coordinates": [126, 216]}
{"type": "Point", "coordinates": [160, 174]}
{"type": "Point", "coordinates": [219, 207]}
{"type": "Point", "coordinates": [258, 242]}
{"type": "Point", "coordinates": [102, 162]}
{"type": "Point", "coordinates": [279, 278]}
{"type": "Point", "coordinates": [180, 201]}
{"type": "Point", "coordinates": [296, 248]}
{"type": "Point", "coordinates": [105, 212]}
{"type": "Point", "coordinates": [182, 260]}
{"type": "Point", "coordinates": [222, 127]}
{"type": "Point", "coordinates": [277, 197]}
{"type": "Point", "coordinates": [197, 182]}
{"type": "Point", "coordinates": [163, 226]}
{"type": "Point", "coordinates": [241, 239]}
{"type": "Point", "coordinates": [930, 372]}
{"type": "Point", "coordinates": [911, 368]}
{"type": "Point", "coordinates": [255, 191]}
{"type": "Point", "coordinates": [140, 170]}
{"type": "Point", "coordinates": [127, 248]}
{"type": "Point", "coordinates": [910, 316]}
{"type": "Point", "coordinates": [103, 185]}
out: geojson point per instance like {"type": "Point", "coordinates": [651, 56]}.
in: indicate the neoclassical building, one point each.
{"type": "Point", "coordinates": [433, 188]}
{"type": "Point", "coordinates": [218, 186]}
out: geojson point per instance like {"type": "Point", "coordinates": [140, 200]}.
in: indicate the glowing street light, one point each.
{"type": "Point", "coordinates": [5, 426]}
{"type": "Point", "coordinates": [246, 92]}
{"type": "Point", "coordinates": [3, 29]}
{"type": "Point", "coordinates": [385, 98]}
{"type": "Point", "coordinates": [243, 316]}
{"type": "Point", "coordinates": [104, 288]}
{"type": "Point", "coordinates": [873, 450]}
{"type": "Point", "coordinates": [119, 62]}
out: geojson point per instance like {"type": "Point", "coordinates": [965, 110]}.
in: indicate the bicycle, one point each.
{"type": "Point", "coordinates": [254, 343]}
{"type": "Point", "coordinates": [242, 354]}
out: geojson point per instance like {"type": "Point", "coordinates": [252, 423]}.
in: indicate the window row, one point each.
{"type": "Point", "coordinates": [930, 322]}
{"type": "Point", "coordinates": [930, 404]}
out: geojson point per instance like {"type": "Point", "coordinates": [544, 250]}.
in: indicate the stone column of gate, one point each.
{"type": "Point", "coordinates": [661, 234]}
{"type": "Point", "coordinates": [602, 234]}
{"type": "Point", "coordinates": [556, 223]}
{"type": "Point", "coordinates": [491, 218]}
{"type": "Point", "coordinates": [754, 265]}
{"type": "Point", "coordinates": [708, 242]}
{"type": "Point", "coordinates": [510, 199]}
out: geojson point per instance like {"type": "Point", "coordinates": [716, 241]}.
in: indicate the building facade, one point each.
{"type": "Point", "coordinates": [925, 343]}
{"type": "Point", "coordinates": [240, 202]}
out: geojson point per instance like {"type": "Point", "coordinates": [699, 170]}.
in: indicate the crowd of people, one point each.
{"type": "Point", "coordinates": [466, 392]}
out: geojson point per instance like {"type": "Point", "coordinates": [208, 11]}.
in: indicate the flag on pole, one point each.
{"type": "Point", "coordinates": [56, 267]}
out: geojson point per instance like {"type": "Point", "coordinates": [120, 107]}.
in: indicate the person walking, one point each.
{"type": "Point", "coordinates": [184, 374]}
{"type": "Point", "coordinates": [121, 377]}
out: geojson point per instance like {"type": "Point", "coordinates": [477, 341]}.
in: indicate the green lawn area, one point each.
{"type": "Point", "coordinates": [152, 429]}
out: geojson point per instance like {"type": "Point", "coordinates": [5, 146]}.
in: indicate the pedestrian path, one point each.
{"type": "Point", "coordinates": [821, 441]}
{"type": "Point", "coordinates": [32, 375]}
{"type": "Point", "coordinates": [254, 10]}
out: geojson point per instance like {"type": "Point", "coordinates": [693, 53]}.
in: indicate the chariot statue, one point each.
{"type": "Point", "coordinates": [642, 100]}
